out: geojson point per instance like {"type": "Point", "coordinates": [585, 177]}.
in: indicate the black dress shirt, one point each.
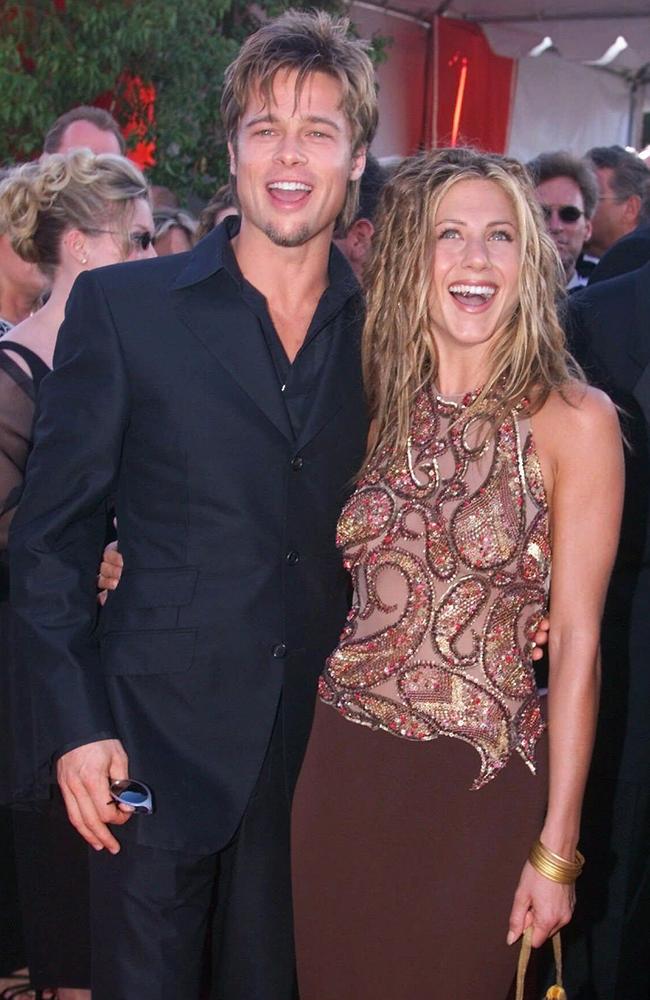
{"type": "Point", "coordinates": [299, 378]}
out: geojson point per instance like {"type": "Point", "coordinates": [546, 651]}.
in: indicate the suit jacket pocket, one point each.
{"type": "Point", "coordinates": [166, 651]}
{"type": "Point", "coordinates": [154, 588]}
{"type": "Point", "coordinates": [148, 599]}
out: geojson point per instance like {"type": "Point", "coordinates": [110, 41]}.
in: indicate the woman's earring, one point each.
{"type": "Point", "coordinates": [84, 261]}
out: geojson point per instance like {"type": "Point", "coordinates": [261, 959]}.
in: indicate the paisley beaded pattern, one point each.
{"type": "Point", "coordinates": [449, 551]}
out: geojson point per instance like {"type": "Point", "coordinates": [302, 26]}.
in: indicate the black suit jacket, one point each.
{"type": "Point", "coordinates": [164, 402]}
{"type": "Point", "coordinates": [627, 254]}
{"type": "Point", "coordinates": [609, 332]}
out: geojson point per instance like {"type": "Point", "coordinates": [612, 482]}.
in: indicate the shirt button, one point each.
{"type": "Point", "coordinates": [292, 558]}
{"type": "Point", "coordinates": [297, 463]}
{"type": "Point", "coordinates": [279, 651]}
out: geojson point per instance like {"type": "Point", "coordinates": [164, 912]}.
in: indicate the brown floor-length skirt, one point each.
{"type": "Point", "coordinates": [403, 878]}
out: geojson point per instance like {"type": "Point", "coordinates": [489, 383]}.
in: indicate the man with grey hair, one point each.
{"type": "Point", "coordinates": [623, 195]}
{"type": "Point", "coordinates": [568, 194]}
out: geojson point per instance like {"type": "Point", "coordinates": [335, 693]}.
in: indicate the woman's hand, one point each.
{"type": "Point", "coordinates": [545, 904]}
{"type": "Point", "coordinates": [110, 571]}
{"type": "Point", "coordinates": [540, 639]}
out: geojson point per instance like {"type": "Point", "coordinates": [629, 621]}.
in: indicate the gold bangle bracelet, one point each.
{"type": "Point", "coordinates": [553, 866]}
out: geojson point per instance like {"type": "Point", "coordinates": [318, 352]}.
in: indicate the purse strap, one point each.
{"type": "Point", "coordinates": [555, 992]}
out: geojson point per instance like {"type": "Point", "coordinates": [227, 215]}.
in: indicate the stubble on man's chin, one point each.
{"type": "Point", "coordinates": [295, 239]}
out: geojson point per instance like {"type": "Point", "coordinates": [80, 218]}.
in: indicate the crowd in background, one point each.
{"type": "Point", "coordinates": [597, 211]}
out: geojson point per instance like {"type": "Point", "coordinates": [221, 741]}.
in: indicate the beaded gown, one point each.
{"type": "Point", "coordinates": [424, 782]}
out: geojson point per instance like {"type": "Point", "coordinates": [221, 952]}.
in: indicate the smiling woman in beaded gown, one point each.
{"type": "Point", "coordinates": [489, 459]}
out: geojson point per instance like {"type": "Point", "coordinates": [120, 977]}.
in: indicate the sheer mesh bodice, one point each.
{"type": "Point", "coordinates": [17, 400]}
{"type": "Point", "coordinates": [450, 557]}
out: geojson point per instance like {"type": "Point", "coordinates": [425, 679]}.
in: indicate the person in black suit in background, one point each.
{"type": "Point", "coordinates": [627, 254]}
{"type": "Point", "coordinates": [214, 398]}
{"type": "Point", "coordinates": [606, 958]}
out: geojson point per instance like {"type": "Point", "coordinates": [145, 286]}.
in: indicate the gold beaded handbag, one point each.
{"type": "Point", "coordinates": [556, 992]}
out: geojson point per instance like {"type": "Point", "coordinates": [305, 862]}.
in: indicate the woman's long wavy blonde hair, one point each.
{"type": "Point", "coordinates": [528, 357]}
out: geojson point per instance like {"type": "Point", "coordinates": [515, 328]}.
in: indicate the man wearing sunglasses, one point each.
{"type": "Point", "coordinates": [568, 195]}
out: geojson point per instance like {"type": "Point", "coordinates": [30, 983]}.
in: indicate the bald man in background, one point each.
{"type": "Point", "coordinates": [85, 127]}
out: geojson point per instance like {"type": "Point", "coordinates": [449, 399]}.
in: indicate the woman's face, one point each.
{"type": "Point", "coordinates": [108, 247]}
{"type": "Point", "coordinates": [474, 281]}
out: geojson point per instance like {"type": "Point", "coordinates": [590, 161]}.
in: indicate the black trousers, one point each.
{"type": "Point", "coordinates": [155, 914]}
{"type": "Point", "coordinates": [606, 954]}
{"type": "Point", "coordinates": [12, 953]}
{"type": "Point", "coordinates": [52, 869]}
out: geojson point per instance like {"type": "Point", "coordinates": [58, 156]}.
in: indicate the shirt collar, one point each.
{"type": "Point", "coordinates": [577, 281]}
{"type": "Point", "coordinates": [214, 253]}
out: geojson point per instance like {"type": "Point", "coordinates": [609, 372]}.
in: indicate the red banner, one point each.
{"type": "Point", "coordinates": [135, 110]}
{"type": "Point", "coordinates": [473, 88]}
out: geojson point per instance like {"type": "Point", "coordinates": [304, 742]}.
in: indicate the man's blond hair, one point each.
{"type": "Point", "coordinates": [306, 43]}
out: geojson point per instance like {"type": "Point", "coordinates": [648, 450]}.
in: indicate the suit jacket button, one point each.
{"type": "Point", "coordinates": [279, 651]}
{"type": "Point", "coordinates": [292, 558]}
{"type": "Point", "coordinates": [297, 463]}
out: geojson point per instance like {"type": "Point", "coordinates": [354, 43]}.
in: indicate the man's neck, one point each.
{"type": "Point", "coordinates": [284, 275]}
{"type": "Point", "coordinates": [291, 279]}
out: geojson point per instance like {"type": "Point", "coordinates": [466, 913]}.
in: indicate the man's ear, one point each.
{"type": "Point", "coordinates": [233, 158]}
{"type": "Point", "coordinates": [358, 163]}
{"type": "Point", "coordinates": [632, 209]}
{"type": "Point", "coordinates": [359, 239]}
{"type": "Point", "coordinates": [588, 230]}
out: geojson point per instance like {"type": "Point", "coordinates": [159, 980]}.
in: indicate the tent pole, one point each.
{"type": "Point", "coordinates": [631, 120]}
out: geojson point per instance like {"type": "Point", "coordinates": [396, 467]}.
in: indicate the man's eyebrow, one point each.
{"type": "Point", "coordinates": [312, 119]}
{"type": "Point", "coordinates": [322, 120]}
{"type": "Point", "coordinates": [258, 119]}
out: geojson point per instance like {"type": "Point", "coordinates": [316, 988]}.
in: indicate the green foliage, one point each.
{"type": "Point", "coordinates": [55, 54]}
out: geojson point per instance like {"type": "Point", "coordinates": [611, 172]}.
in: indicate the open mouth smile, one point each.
{"type": "Point", "coordinates": [289, 192]}
{"type": "Point", "coordinates": [472, 296]}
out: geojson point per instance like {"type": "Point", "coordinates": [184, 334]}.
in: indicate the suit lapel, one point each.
{"type": "Point", "coordinates": [232, 335]}
{"type": "Point", "coordinates": [209, 304]}
{"type": "Point", "coordinates": [641, 390]}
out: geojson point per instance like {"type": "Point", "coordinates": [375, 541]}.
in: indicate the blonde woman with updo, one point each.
{"type": "Point", "coordinates": [21, 284]}
{"type": "Point", "coordinates": [438, 809]}
{"type": "Point", "coordinates": [64, 214]}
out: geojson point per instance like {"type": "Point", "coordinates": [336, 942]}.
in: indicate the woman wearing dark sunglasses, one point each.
{"type": "Point", "coordinates": [66, 214]}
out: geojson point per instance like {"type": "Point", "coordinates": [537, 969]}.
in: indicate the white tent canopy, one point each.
{"type": "Point", "coordinates": [568, 96]}
{"type": "Point", "coordinates": [580, 30]}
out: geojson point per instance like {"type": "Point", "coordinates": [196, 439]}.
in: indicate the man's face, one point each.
{"type": "Point", "coordinates": [613, 217]}
{"type": "Point", "coordinates": [83, 134]}
{"type": "Point", "coordinates": [293, 160]}
{"type": "Point", "coordinates": [561, 196]}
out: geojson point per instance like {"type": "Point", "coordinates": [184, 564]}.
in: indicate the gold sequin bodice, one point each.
{"type": "Point", "coordinates": [450, 557]}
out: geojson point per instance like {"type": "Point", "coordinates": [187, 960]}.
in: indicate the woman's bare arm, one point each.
{"type": "Point", "coordinates": [579, 444]}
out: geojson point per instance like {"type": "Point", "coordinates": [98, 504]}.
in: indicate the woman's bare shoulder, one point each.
{"type": "Point", "coordinates": [33, 334]}
{"type": "Point", "coordinates": [578, 410]}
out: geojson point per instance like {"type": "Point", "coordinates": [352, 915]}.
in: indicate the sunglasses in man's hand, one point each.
{"type": "Point", "coordinates": [136, 794]}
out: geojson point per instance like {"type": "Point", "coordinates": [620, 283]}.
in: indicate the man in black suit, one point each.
{"type": "Point", "coordinates": [627, 254]}
{"type": "Point", "coordinates": [214, 399]}
{"type": "Point", "coordinates": [623, 198]}
{"type": "Point", "coordinates": [606, 958]}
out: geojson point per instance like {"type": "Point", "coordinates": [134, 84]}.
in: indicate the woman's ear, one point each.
{"type": "Point", "coordinates": [76, 245]}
